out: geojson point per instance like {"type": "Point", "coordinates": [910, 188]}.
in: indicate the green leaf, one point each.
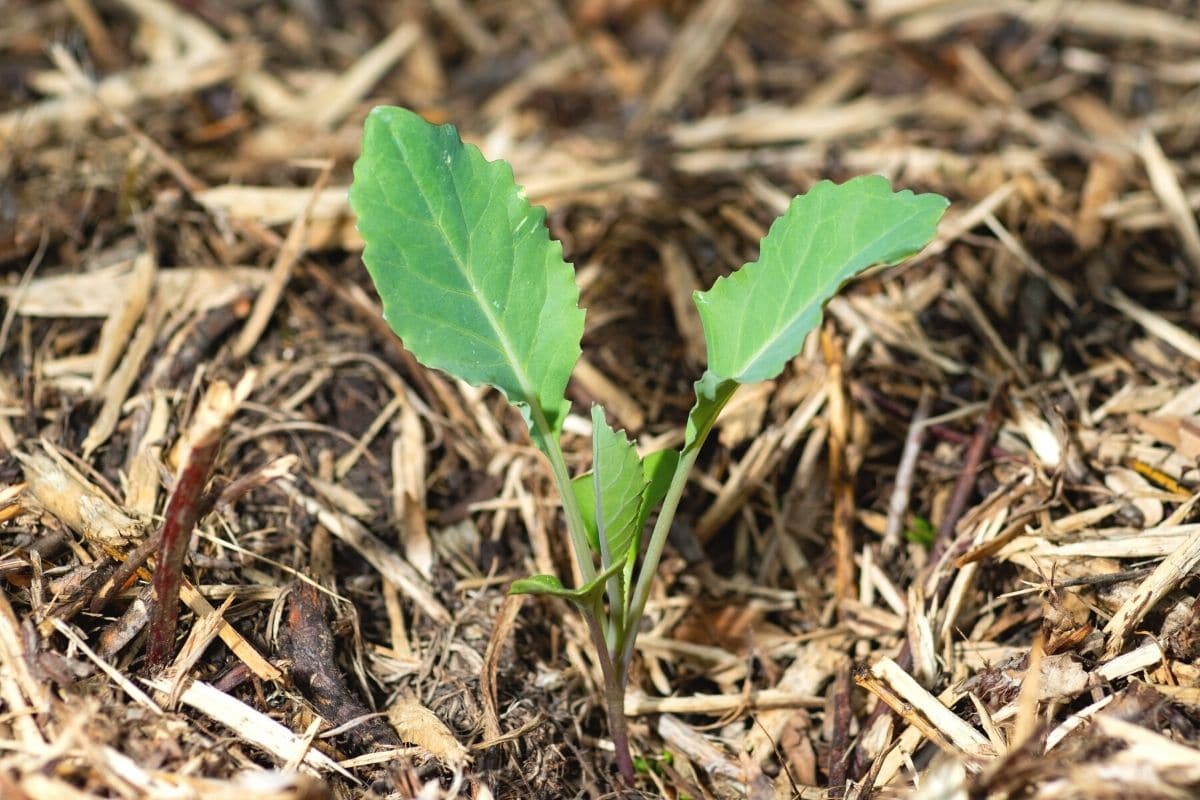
{"type": "Point", "coordinates": [585, 496]}
{"type": "Point", "coordinates": [619, 480]}
{"type": "Point", "coordinates": [712, 393]}
{"type": "Point", "coordinates": [658, 468]}
{"type": "Point", "coordinates": [467, 272]}
{"type": "Point", "coordinates": [755, 320]}
{"type": "Point", "coordinates": [549, 585]}
{"type": "Point", "coordinates": [617, 484]}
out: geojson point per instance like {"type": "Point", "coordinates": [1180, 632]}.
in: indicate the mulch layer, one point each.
{"type": "Point", "coordinates": [949, 553]}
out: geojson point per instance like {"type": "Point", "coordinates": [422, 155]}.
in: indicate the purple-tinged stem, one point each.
{"type": "Point", "coordinates": [614, 701]}
{"type": "Point", "coordinates": [184, 509]}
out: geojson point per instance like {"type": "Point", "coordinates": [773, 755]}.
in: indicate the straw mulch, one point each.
{"type": "Point", "coordinates": [949, 553]}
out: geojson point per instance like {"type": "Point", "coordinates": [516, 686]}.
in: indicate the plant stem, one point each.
{"type": "Point", "coordinates": [614, 699]}
{"type": "Point", "coordinates": [658, 541]}
{"type": "Point", "coordinates": [571, 510]}
{"type": "Point", "coordinates": [183, 510]}
{"type": "Point", "coordinates": [618, 729]}
{"type": "Point", "coordinates": [666, 515]}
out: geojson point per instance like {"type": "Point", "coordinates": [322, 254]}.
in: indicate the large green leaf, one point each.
{"type": "Point", "coordinates": [755, 320]}
{"type": "Point", "coordinates": [468, 275]}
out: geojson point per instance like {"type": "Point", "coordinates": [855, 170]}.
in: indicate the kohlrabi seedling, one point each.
{"type": "Point", "coordinates": [474, 285]}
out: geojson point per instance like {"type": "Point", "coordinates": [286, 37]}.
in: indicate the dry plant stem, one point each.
{"type": "Point", "coordinates": [840, 739]}
{"type": "Point", "coordinates": [308, 640]}
{"type": "Point", "coordinates": [840, 477]}
{"type": "Point", "coordinates": [968, 476]}
{"type": "Point", "coordinates": [125, 571]}
{"type": "Point", "coordinates": [183, 510]}
{"type": "Point", "coordinates": [136, 559]}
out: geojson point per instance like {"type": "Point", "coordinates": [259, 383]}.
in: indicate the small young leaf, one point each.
{"type": "Point", "coordinates": [617, 485]}
{"type": "Point", "coordinates": [658, 469]}
{"type": "Point", "coordinates": [618, 480]}
{"type": "Point", "coordinates": [467, 272]}
{"type": "Point", "coordinates": [552, 586]}
{"type": "Point", "coordinates": [585, 496]}
{"type": "Point", "coordinates": [755, 320]}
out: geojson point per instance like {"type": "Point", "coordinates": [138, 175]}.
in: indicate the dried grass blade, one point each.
{"type": "Point", "coordinates": [250, 725]}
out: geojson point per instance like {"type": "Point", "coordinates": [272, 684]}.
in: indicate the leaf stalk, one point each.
{"type": "Point", "coordinates": [562, 480]}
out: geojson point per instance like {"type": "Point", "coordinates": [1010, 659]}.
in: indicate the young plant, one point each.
{"type": "Point", "coordinates": [474, 285]}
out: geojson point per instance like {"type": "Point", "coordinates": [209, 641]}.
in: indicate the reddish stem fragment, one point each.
{"type": "Point", "coordinates": [182, 512]}
{"type": "Point", "coordinates": [184, 509]}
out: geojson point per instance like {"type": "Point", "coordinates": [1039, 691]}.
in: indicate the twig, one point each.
{"type": "Point", "coordinates": [967, 476]}
{"type": "Point", "coordinates": [183, 511]}
{"type": "Point", "coordinates": [285, 259]}
{"type": "Point", "coordinates": [307, 640]}
{"type": "Point", "coordinates": [840, 738]}
{"type": "Point", "coordinates": [840, 471]}
{"type": "Point", "coordinates": [491, 662]}
{"type": "Point", "coordinates": [898, 503]}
